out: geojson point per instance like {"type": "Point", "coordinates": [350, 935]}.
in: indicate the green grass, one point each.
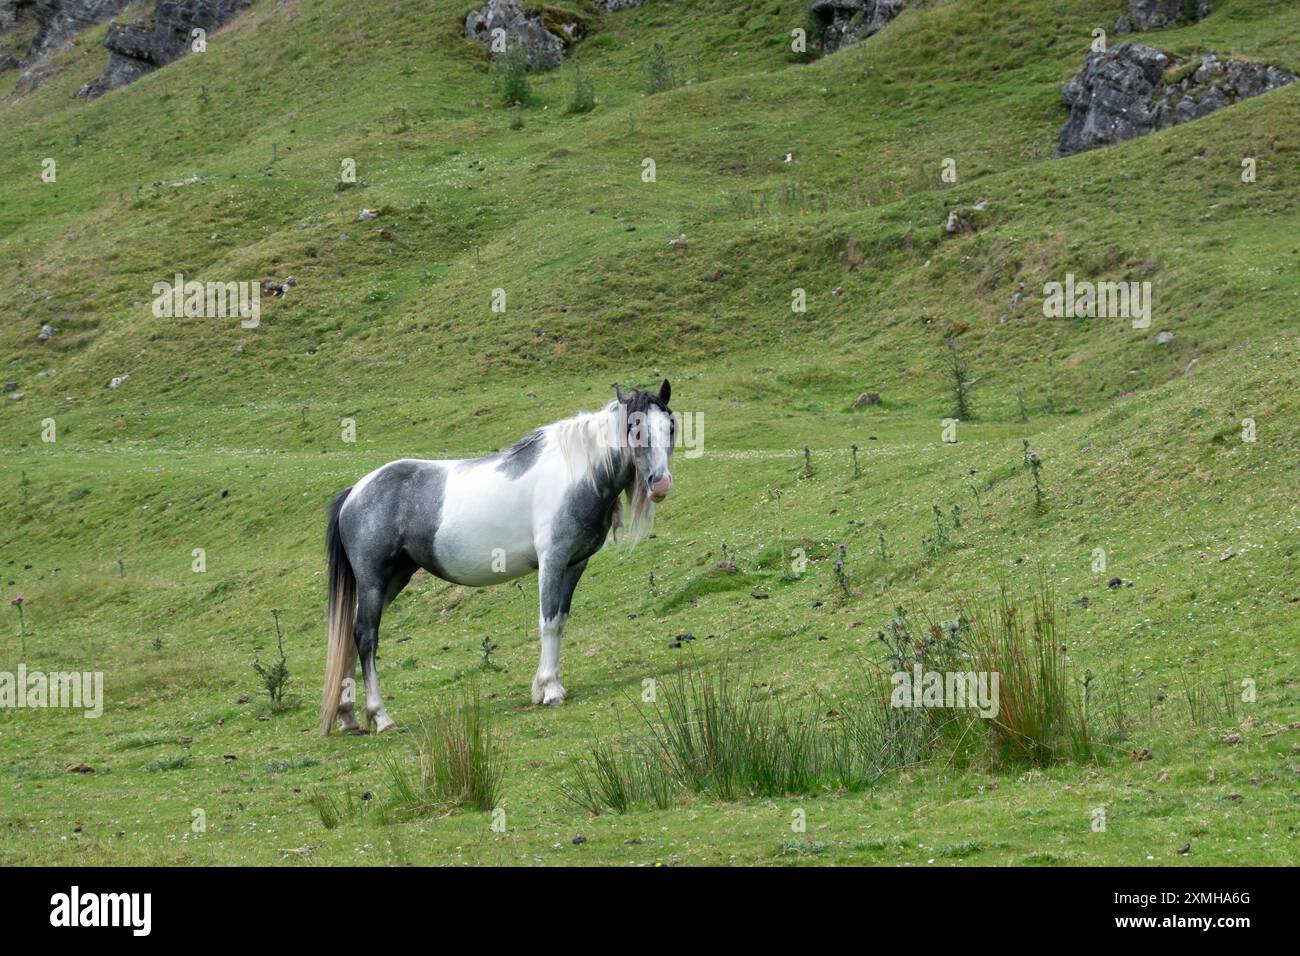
{"type": "Point", "coordinates": [229, 440]}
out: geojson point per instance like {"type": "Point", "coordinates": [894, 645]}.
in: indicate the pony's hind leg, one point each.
{"type": "Point", "coordinates": [370, 607]}
{"type": "Point", "coordinates": [348, 696]}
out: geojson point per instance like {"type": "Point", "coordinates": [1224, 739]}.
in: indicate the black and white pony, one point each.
{"type": "Point", "coordinates": [545, 504]}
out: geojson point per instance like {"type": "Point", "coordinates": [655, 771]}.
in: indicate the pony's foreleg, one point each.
{"type": "Point", "coordinates": [370, 607]}
{"type": "Point", "coordinates": [555, 583]}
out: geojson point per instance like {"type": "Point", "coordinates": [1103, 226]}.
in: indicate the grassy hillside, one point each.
{"type": "Point", "coordinates": [228, 439]}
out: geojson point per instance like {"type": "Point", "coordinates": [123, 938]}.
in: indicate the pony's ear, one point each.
{"type": "Point", "coordinates": [619, 392]}
{"type": "Point", "coordinates": [665, 390]}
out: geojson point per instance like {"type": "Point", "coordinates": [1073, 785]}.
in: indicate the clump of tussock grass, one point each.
{"type": "Point", "coordinates": [618, 779]}
{"type": "Point", "coordinates": [1040, 720]}
{"type": "Point", "coordinates": [461, 763]}
{"type": "Point", "coordinates": [1205, 703]}
{"type": "Point", "coordinates": [333, 810]}
{"type": "Point", "coordinates": [708, 733]}
{"type": "Point", "coordinates": [714, 736]}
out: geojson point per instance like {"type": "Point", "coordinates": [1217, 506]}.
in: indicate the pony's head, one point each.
{"type": "Point", "coordinates": [648, 430]}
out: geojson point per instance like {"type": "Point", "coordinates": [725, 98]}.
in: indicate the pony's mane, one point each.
{"type": "Point", "coordinates": [591, 440]}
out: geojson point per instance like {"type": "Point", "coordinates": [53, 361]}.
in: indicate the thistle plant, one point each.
{"type": "Point", "coordinates": [17, 602]}
{"type": "Point", "coordinates": [1051, 386]}
{"type": "Point", "coordinates": [1035, 465]}
{"type": "Point", "coordinates": [857, 471]}
{"type": "Point", "coordinates": [841, 575]}
{"type": "Point", "coordinates": [937, 543]}
{"type": "Point", "coordinates": [1022, 414]}
{"type": "Point", "coordinates": [884, 557]}
{"type": "Point", "coordinates": [488, 647]}
{"type": "Point", "coordinates": [275, 677]}
{"type": "Point", "coordinates": [808, 469]}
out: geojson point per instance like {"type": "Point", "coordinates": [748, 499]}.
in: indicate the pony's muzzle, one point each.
{"type": "Point", "coordinates": [660, 486]}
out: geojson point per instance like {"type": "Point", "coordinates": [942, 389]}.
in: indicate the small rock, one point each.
{"type": "Point", "coordinates": [1164, 338]}
{"type": "Point", "coordinates": [1115, 583]}
{"type": "Point", "coordinates": [46, 333]}
{"type": "Point", "coordinates": [579, 840]}
{"type": "Point", "coordinates": [1230, 739]}
{"type": "Point", "coordinates": [1185, 849]}
{"type": "Point", "coordinates": [867, 398]}
{"type": "Point", "coordinates": [367, 214]}
{"type": "Point", "coordinates": [80, 768]}
{"type": "Point", "coordinates": [117, 380]}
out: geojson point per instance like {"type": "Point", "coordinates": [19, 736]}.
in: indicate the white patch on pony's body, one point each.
{"type": "Point", "coordinates": [480, 526]}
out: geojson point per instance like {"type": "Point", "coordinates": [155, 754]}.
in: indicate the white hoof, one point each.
{"type": "Point", "coordinates": [547, 690]}
{"type": "Point", "coordinates": [380, 722]}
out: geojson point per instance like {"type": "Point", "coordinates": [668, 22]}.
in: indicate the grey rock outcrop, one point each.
{"type": "Point", "coordinates": [614, 6]}
{"type": "Point", "coordinates": [56, 21]}
{"type": "Point", "coordinates": [141, 47]}
{"type": "Point", "coordinates": [844, 22]}
{"type": "Point", "coordinates": [62, 19]}
{"type": "Point", "coordinates": [543, 45]}
{"type": "Point", "coordinates": [1157, 14]}
{"type": "Point", "coordinates": [1121, 94]}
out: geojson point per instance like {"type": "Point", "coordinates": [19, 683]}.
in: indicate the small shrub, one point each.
{"type": "Point", "coordinates": [660, 74]}
{"type": "Point", "coordinates": [959, 383]}
{"type": "Point", "coordinates": [510, 76]}
{"type": "Point", "coordinates": [584, 92]}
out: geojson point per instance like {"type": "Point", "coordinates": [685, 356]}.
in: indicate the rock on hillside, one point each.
{"type": "Point", "coordinates": [844, 22]}
{"type": "Point", "coordinates": [145, 45]}
{"type": "Point", "coordinates": [1121, 94]}
{"type": "Point", "coordinates": [543, 41]}
{"type": "Point", "coordinates": [1156, 14]}
{"type": "Point", "coordinates": [56, 20]}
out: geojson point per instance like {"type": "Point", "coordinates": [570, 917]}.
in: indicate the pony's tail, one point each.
{"type": "Point", "coordinates": [340, 614]}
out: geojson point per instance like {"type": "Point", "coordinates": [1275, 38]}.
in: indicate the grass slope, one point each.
{"type": "Point", "coordinates": [229, 440]}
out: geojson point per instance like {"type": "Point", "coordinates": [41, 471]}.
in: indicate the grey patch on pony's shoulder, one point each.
{"type": "Point", "coordinates": [522, 455]}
